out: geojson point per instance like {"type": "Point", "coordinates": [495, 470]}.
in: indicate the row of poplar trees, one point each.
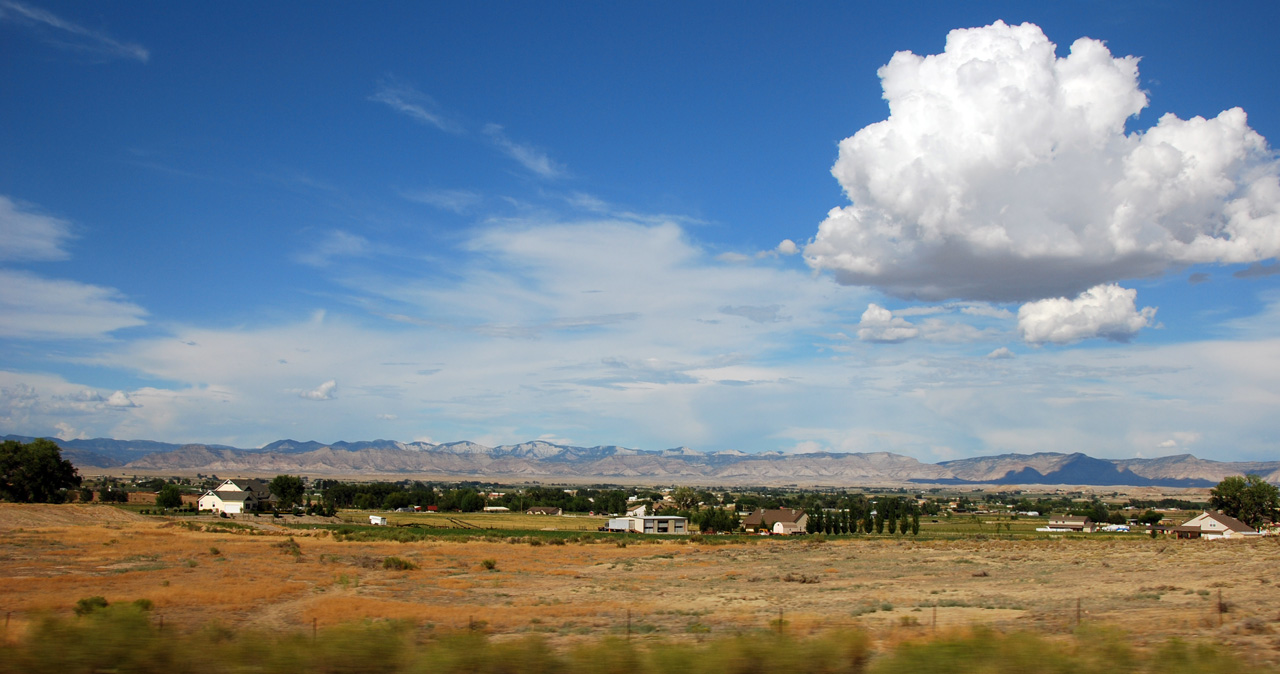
{"type": "Point", "coordinates": [858, 515]}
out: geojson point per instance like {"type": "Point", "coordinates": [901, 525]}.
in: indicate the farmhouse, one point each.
{"type": "Point", "coordinates": [260, 490]}
{"type": "Point", "coordinates": [237, 496]}
{"type": "Point", "coordinates": [544, 510]}
{"type": "Point", "coordinates": [778, 521]}
{"type": "Point", "coordinates": [1070, 523]}
{"type": "Point", "coordinates": [1214, 525]}
{"type": "Point", "coordinates": [230, 502]}
{"type": "Point", "coordinates": [653, 524]}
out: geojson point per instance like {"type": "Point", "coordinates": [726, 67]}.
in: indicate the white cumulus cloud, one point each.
{"type": "Point", "coordinates": [880, 325]}
{"type": "Point", "coordinates": [120, 400]}
{"type": "Point", "coordinates": [324, 391]}
{"type": "Point", "coordinates": [1103, 311]}
{"type": "Point", "coordinates": [1004, 173]}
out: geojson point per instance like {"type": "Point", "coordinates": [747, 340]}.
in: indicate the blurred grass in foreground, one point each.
{"type": "Point", "coordinates": [125, 639]}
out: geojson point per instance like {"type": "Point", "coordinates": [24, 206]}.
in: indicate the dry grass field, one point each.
{"type": "Point", "coordinates": [272, 578]}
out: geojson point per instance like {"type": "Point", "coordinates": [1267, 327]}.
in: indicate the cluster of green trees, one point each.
{"type": "Point", "coordinates": [714, 518]}
{"type": "Point", "coordinates": [393, 495]}
{"type": "Point", "coordinates": [580, 501]}
{"type": "Point", "coordinates": [1248, 498]}
{"type": "Point", "coordinates": [860, 515]}
{"type": "Point", "coordinates": [35, 472]}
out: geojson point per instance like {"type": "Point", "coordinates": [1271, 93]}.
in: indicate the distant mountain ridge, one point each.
{"type": "Point", "coordinates": [550, 461]}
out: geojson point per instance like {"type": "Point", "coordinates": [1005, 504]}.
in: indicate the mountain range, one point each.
{"type": "Point", "coordinates": [551, 462]}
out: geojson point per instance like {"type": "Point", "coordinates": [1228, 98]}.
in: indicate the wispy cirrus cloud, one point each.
{"type": "Point", "coordinates": [335, 244]}
{"type": "Point", "coordinates": [28, 235]}
{"type": "Point", "coordinates": [530, 157]}
{"type": "Point", "coordinates": [36, 307]}
{"type": "Point", "coordinates": [409, 101]}
{"type": "Point", "coordinates": [455, 201]}
{"type": "Point", "coordinates": [69, 35]}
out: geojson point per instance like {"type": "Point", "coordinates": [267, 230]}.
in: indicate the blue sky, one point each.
{"type": "Point", "coordinates": [742, 226]}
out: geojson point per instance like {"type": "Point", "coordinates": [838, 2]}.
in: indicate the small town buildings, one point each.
{"type": "Point", "coordinates": [638, 510]}
{"type": "Point", "coordinates": [1214, 525]}
{"type": "Point", "coordinates": [1070, 523]}
{"type": "Point", "coordinates": [652, 524]}
{"type": "Point", "coordinates": [777, 521]}
{"type": "Point", "coordinates": [544, 510]}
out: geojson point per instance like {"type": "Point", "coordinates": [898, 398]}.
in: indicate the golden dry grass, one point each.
{"type": "Point", "coordinates": [896, 589]}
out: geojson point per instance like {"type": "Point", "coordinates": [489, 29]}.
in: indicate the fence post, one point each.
{"type": "Point", "coordinates": [1077, 611]}
{"type": "Point", "coordinates": [628, 624]}
{"type": "Point", "coordinates": [1221, 607]}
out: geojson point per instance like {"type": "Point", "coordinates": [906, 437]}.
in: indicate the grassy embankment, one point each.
{"type": "Point", "coordinates": [125, 639]}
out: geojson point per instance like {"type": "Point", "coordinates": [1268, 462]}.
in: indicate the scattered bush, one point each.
{"type": "Point", "coordinates": [398, 564]}
{"type": "Point", "coordinates": [489, 564]}
{"type": "Point", "coordinates": [90, 604]}
{"type": "Point", "coordinates": [290, 547]}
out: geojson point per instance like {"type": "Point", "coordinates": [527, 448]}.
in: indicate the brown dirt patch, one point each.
{"type": "Point", "coordinates": [25, 515]}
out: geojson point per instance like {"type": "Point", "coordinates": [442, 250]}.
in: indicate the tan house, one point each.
{"type": "Point", "coordinates": [1213, 525]}
{"type": "Point", "coordinates": [1070, 523]}
{"type": "Point", "coordinates": [777, 521]}
{"type": "Point", "coordinates": [544, 510]}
